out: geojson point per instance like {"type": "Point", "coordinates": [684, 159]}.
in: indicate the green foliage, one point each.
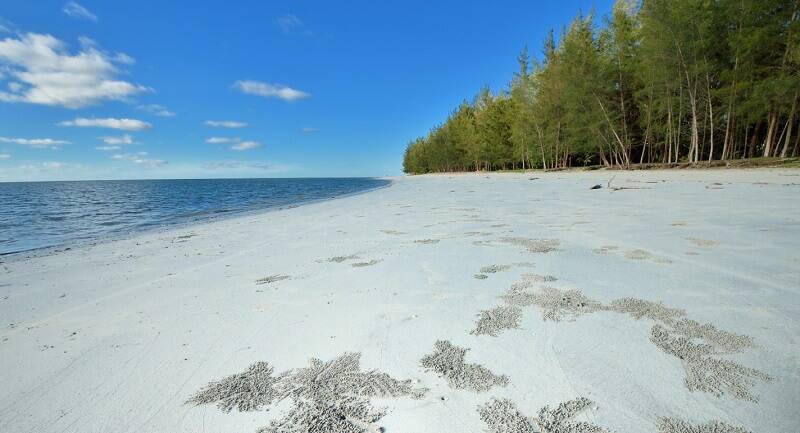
{"type": "Point", "coordinates": [660, 81]}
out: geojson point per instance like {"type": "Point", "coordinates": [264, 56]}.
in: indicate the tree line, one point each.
{"type": "Point", "coordinates": [660, 81]}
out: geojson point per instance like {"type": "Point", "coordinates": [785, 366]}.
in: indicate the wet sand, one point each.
{"type": "Point", "coordinates": [466, 303]}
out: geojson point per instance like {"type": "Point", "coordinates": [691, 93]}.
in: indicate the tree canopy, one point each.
{"type": "Point", "coordinates": [659, 81]}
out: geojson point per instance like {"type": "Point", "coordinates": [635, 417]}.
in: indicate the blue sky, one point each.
{"type": "Point", "coordinates": [288, 88]}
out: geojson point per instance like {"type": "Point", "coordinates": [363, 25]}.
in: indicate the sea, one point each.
{"type": "Point", "coordinates": [42, 215]}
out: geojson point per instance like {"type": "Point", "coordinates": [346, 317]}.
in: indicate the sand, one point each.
{"type": "Point", "coordinates": [413, 308]}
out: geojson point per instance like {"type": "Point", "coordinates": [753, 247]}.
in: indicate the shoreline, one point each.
{"type": "Point", "coordinates": [464, 299]}
{"type": "Point", "coordinates": [155, 229]}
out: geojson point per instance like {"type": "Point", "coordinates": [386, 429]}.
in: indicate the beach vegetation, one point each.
{"type": "Point", "coordinates": [652, 82]}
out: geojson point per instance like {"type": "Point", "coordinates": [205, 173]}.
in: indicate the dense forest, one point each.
{"type": "Point", "coordinates": [660, 81]}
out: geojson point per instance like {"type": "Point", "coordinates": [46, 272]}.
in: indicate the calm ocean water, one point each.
{"type": "Point", "coordinates": [48, 214]}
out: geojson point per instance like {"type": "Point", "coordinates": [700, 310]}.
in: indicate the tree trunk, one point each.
{"type": "Point", "coordinates": [778, 141]}
{"type": "Point", "coordinates": [668, 154]}
{"type": "Point", "coordinates": [678, 136]}
{"type": "Point", "coordinates": [645, 141]}
{"type": "Point", "coordinates": [701, 144]}
{"type": "Point", "coordinates": [540, 133]}
{"type": "Point", "coordinates": [773, 121]}
{"type": "Point", "coordinates": [725, 141]}
{"type": "Point", "coordinates": [789, 125]}
{"type": "Point", "coordinates": [796, 144]}
{"type": "Point", "coordinates": [603, 159]}
{"type": "Point", "coordinates": [711, 121]}
{"type": "Point", "coordinates": [625, 137]}
{"type": "Point", "coordinates": [558, 143]}
{"type": "Point", "coordinates": [614, 131]}
{"type": "Point", "coordinates": [695, 141]}
{"type": "Point", "coordinates": [751, 152]}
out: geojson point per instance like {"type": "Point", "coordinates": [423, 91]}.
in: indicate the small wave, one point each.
{"type": "Point", "coordinates": [52, 214]}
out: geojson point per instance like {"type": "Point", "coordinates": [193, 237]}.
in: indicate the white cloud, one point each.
{"type": "Point", "coordinates": [4, 156]}
{"type": "Point", "coordinates": [87, 42]}
{"type": "Point", "coordinates": [236, 164]}
{"type": "Point", "coordinates": [139, 158]}
{"type": "Point", "coordinates": [247, 145]}
{"type": "Point", "coordinates": [225, 124]}
{"type": "Point", "coordinates": [124, 124]}
{"type": "Point", "coordinates": [217, 140]}
{"type": "Point", "coordinates": [287, 22]}
{"type": "Point", "coordinates": [105, 148]}
{"type": "Point", "coordinates": [7, 26]}
{"type": "Point", "coordinates": [77, 11]}
{"type": "Point", "coordinates": [52, 76]}
{"type": "Point", "coordinates": [124, 139]}
{"type": "Point", "coordinates": [308, 129]}
{"type": "Point", "coordinates": [49, 165]}
{"type": "Point", "coordinates": [38, 143]}
{"type": "Point", "coordinates": [124, 59]}
{"type": "Point", "coordinates": [158, 110]}
{"type": "Point", "coordinates": [270, 90]}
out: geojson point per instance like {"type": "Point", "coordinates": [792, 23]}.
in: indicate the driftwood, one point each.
{"type": "Point", "coordinates": [617, 188]}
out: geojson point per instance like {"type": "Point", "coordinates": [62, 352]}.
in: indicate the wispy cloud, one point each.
{"type": "Point", "coordinates": [45, 73]}
{"type": "Point", "coordinates": [123, 139]}
{"type": "Point", "coordinates": [270, 90]}
{"type": "Point", "coordinates": [288, 22]}
{"type": "Point", "coordinates": [77, 11]}
{"type": "Point", "coordinates": [225, 124]}
{"type": "Point", "coordinates": [86, 42]}
{"type": "Point", "coordinates": [4, 156]}
{"type": "Point", "coordinates": [123, 124]}
{"type": "Point", "coordinates": [218, 140]}
{"type": "Point", "coordinates": [7, 26]}
{"type": "Point", "coordinates": [308, 129]}
{"type": "Point", "coordinates": [49, 165]}
{"type": "Point", "coordinates": [124, 59]}
{"type": "Point", "coordinates": [235, 164]}
{"type": "Point", "coordinates": [158, 110]}
{"type": "Point", "coordinates": [39, 143]}
{"type": "Point", "coordinates": [139, 158]}
{"type": "Point", "coordinates": [107, 148]}
{"type": "Point", "coordinates": [54, 164]}
{"type": "Point", "coordinates": [247, 145]}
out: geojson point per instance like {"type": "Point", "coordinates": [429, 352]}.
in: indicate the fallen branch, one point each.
{"type": "Point", "coordinates": [617, 188]}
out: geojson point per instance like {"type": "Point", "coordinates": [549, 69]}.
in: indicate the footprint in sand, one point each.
{"type": "Point", "coordinates": [703, 242]}
{"type": "Point", "coordinates": [364, 264]}
{"type": "Point", "coordinates": [340, 259]}
{"type": "Point", "coordinates": [272, 279]}
{"type": "Point", "coordinates": [636, 254]}
{"type": "Point", "coordinates": [426, 241]}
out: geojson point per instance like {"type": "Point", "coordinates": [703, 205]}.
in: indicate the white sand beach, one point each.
{"type": "Point", "coordinates": [443, 303]}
